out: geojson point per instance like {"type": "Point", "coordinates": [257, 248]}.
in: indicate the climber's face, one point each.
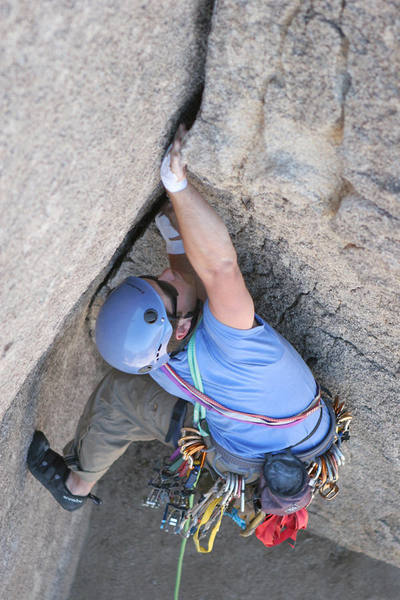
{"type": "Point", "coordinates": [186, 299]}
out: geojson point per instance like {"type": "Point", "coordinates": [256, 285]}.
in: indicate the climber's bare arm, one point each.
{"type": "Point", "coordinates": [210, 250]}
{"type": "Point", "coordinates": [180, 262]}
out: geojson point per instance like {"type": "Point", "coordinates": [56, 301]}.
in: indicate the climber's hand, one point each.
{"type": "Point", "coordinates": [168, 210]}
{"type": "Point", "coordinates": [178, 166]}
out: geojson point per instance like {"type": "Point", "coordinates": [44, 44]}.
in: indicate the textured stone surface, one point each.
{"type": "Point", "coordinates": [297, 141]}
{"type": "Point", "coordinates": [40, 542]}
{"type": "Point", "coordinates": [296, 145]}
{"type": "Point", "coordinates": [125, 551]}
{"type": "Point", "coordinates": [277, 149]}
{"type": "Point", "coordinates": [91, 92]}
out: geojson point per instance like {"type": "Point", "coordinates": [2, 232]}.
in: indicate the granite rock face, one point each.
{"type": "Point", "coordinates": [300, 161]}
{"type": "Point", "coordinates": [40, 543]}
{"type": "Point", "coordinates": [91, 93]}
{"type": "Point", "coordinates": [296, 145]}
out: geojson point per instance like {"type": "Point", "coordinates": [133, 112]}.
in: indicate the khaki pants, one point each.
{"type": "Point", "coordinates": [123, 409]}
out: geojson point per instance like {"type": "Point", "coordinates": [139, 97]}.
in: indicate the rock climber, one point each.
{"type": "Point", "coordinates": [245, 366]}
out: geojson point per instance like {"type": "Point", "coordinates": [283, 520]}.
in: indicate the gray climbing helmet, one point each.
{"type": "Point", "coordinates": [132, 329]}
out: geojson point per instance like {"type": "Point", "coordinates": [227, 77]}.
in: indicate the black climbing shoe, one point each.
{"type": "Point", "coordinates": [52, 472]}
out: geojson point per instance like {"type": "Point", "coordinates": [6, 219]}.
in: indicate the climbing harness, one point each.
{"type": "Point", "coordinates": [176, 485]}
{"type": "Point", "coordinates": [233, 493]}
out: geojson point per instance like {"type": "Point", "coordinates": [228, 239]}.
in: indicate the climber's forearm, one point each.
{"type": "Point", "coordinates": [205, 236]}
{"type": "Point", "coordinates": [207, 243]}
{"type": "Point", "coordinates": [168, 227]}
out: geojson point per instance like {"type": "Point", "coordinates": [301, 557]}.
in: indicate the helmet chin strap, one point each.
{"type": "Point", "coordinates": [195, 319]}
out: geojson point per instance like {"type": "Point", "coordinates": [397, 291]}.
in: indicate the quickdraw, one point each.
{"type": "Point", "coordinates": [324, 470]}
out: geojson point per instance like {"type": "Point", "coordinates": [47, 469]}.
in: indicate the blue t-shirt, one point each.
{"type": "Point", "coordinates": [256, 371]}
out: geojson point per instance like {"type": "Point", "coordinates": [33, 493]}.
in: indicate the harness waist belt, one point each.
{"type": "Point", "coordinates": [222, 460]}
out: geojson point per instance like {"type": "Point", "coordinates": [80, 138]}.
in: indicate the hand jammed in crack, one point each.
{"type": "Point", "coordinates": [178, 167]}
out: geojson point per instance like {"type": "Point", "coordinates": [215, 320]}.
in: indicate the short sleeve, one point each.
{"type": "Point", "coordinates": [258, 345]}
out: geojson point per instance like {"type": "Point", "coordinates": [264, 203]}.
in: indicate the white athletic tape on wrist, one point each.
{"type": "Point", "coordinates": [165, 227]}
{"type": "Point", "coordinates": [169, 179]}
{"type": "Point", "coordinates": [169, 232]}
{"type": "Point", "coordinates": [175, 247]}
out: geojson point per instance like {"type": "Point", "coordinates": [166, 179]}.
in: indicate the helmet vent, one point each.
{"type": "Point", "coordinates": [151, 315]}
{"type": "Point", "coordinates": [158, 352]}
{"type": "Point", "coordinates": [145, 369]}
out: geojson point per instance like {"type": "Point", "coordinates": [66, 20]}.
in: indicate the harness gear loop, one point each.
{"type": "Point", "coordinates": [324, 469]}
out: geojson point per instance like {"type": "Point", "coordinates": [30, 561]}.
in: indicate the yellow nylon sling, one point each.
{"type": "Point", "coordinates": [204, 519]}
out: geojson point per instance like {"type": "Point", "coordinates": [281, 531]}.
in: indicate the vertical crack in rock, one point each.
{"type": "Point", "coordinates": [187, 114]}
{"type": "Point", "coordinates": [343, 80]}
{"type": "Point", "coordinates": [285, 29]}
{"type": "Point", "coordinates": [131, 237]}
